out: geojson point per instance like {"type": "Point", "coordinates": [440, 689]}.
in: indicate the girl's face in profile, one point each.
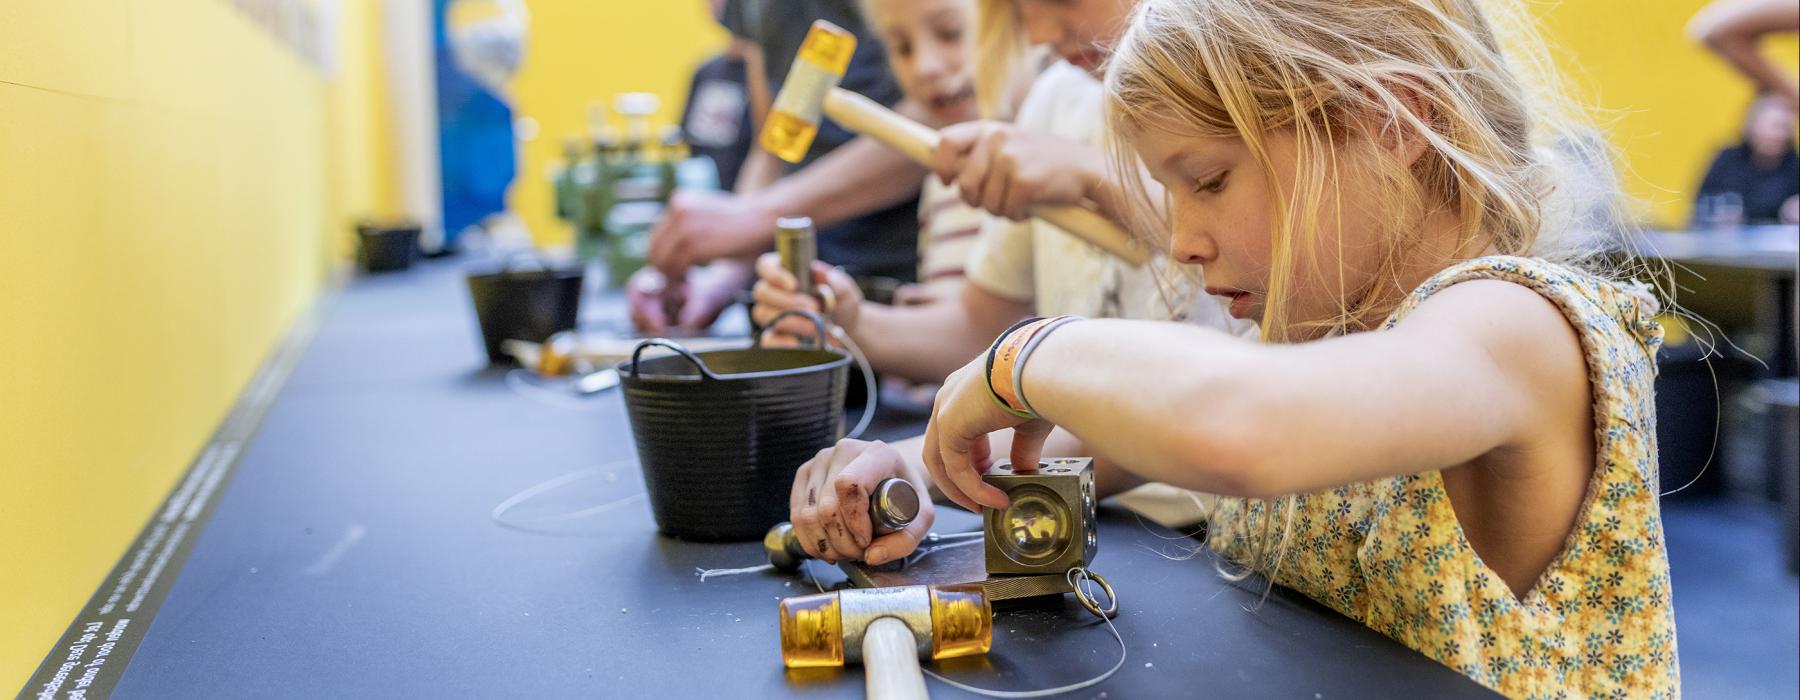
{"type": "Point", "coordinates": [1221, 216]}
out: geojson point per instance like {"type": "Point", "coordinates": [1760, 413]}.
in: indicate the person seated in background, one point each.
{"type": "Point", "coordinates": [716, 119]}
{"type": "Point", "coordinates": [860, 194]}
{"type": "Point", "coordinates": [1756, 181]}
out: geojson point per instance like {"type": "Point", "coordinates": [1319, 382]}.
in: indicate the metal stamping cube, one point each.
{"type": "Point", "coordinates": [1048, 527]}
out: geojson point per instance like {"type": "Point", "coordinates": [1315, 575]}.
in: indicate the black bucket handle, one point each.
{"type": "Point", "coordinates": [705, 372]}
{"type": "Point", "coordinates": [818, 322]}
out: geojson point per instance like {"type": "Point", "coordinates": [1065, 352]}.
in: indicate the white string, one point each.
{"type": "Point", "coordinates": [704, 573]}
{"type": "Point", "coordinates": [920, 554]}
{"type": "Point", "coordinates": [517, 381]}
{"type": "Point", "coordinates": [499, 512]}
{"type": "Point", "coordinates": [1045, 691]}
{"type": "Point", "coordinates": [1718, 420]}
{"type": "Point", "coordinates": [868, 372]}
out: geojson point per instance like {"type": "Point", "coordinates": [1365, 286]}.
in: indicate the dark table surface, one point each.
{"type": "Point", "coordinates": [354, 553]}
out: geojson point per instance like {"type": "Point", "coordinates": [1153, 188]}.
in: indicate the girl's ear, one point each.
{"type": "Point", "coordinates": [1402, 132]}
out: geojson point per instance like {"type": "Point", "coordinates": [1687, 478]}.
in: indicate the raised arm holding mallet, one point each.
{"type": "Point", "coordinates": [811, 92]}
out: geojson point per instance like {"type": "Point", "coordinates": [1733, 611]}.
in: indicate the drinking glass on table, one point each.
{"type": "Point", "coordinates": [1722, 211]}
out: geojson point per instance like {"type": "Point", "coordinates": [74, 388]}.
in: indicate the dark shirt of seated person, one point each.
{"type": "Point", "coordinates": [1762, 171]}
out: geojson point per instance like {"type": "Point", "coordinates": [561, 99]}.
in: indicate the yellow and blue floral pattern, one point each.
{"type": "Point", "coordinates": [1391, 554]}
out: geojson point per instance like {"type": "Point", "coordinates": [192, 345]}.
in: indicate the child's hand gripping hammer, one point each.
{"type": "Point", "coordinates": [811, 91]}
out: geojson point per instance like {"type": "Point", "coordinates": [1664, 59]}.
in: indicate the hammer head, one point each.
{"type": "Point", "coordinates": [794, 121]}
{"type": "Point", "coordinates": [827, 629]}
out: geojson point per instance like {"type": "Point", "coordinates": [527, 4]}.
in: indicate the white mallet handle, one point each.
{"type": "Point", "coordinates": [891, 662]}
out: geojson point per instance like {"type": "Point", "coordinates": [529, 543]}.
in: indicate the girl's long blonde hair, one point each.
{"type": "Point", "coordinates": [1005, 62]}
{"type": "Point", "coordinates": [1517, 162]}
{"type": "Point", "coordinates": [998, 49]}
{"type": "Point", "coordinates": [1520, 163]}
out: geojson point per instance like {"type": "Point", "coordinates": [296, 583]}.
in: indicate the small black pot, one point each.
{"type": "Point", "coordinates": [529, 305]}
{"type": "Point", "coordinates": [720, 434]}
{"type": "Point", "coordinates": [382, 248]}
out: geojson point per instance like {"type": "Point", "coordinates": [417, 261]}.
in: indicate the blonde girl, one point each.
{"type": "Point", "coordinates": [1451, 438]}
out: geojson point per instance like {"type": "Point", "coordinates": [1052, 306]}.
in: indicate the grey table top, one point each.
{"type": "Point", "coordinates": [1765, 248]}
{"type": "Point", "coordinates": [353, 554]}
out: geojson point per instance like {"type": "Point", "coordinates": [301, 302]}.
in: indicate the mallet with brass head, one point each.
{"type": "Point", "coordinates": [887, 630]}
{"type": "Point", "coordinates": [811, 92]}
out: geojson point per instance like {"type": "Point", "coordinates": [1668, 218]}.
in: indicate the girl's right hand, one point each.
{"type": "Point", "coordinates": [774, 293]}
{"type": "Point", "coordinates": [829, 505]}
{"type": "Point", "coordinates": [1007, 170]}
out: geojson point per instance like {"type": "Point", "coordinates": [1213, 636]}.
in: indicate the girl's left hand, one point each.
{"type": "Point", "coordinates": [956, 446]}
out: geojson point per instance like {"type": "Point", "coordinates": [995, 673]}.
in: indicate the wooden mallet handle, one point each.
{"type": "Point", "coordinates": [890, 658]}
{"type": "Point", "coordinates": [918, 142]}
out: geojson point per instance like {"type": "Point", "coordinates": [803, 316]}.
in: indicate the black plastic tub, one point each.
{"type": "Point", "coordinates": [384, 248]}
{"type": "Point", "coordinates": [523, 304]}
{"type": "Point", "coordinates": [720, 434]}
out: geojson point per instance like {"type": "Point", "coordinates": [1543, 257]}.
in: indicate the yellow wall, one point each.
{"type": "Point", "coordinates": [585, 50]}
{"type": "Point", "coordinates": [166, 208]}
{"type": "Point", "coordinates": [364, 175]}
{"type": "Point", "coordinates": [1672, 104]}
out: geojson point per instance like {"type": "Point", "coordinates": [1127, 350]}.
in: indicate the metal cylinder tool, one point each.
{"type": "Point", "coordinates": [798, 247]}
{"type": "Point", "coordinates": [893, 504]}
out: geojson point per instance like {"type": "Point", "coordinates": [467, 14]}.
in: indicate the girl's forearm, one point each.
{"type": "Point", "coordinates": [1157, 398]}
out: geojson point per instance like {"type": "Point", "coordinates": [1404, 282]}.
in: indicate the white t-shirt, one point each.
{"type": "Point", "coordinates": [1037, 263]}
{"type": "Point", "coordinates": [948, 230]}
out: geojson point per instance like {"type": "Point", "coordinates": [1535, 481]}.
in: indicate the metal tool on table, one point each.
{"type": "Point", "coordinates": [887, 630]}
{"type": "Point", "coordinates": [590, 357]}
{"type": "Point", "coordinates": [798, 247]}
{"type": "Point", "coordinates": [811, 92]}
{"type": "Point", "coordinates": [893, 504]}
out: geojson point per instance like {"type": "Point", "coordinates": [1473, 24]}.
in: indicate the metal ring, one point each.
{"type": "Point", "coordinates": [1081, 596]}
